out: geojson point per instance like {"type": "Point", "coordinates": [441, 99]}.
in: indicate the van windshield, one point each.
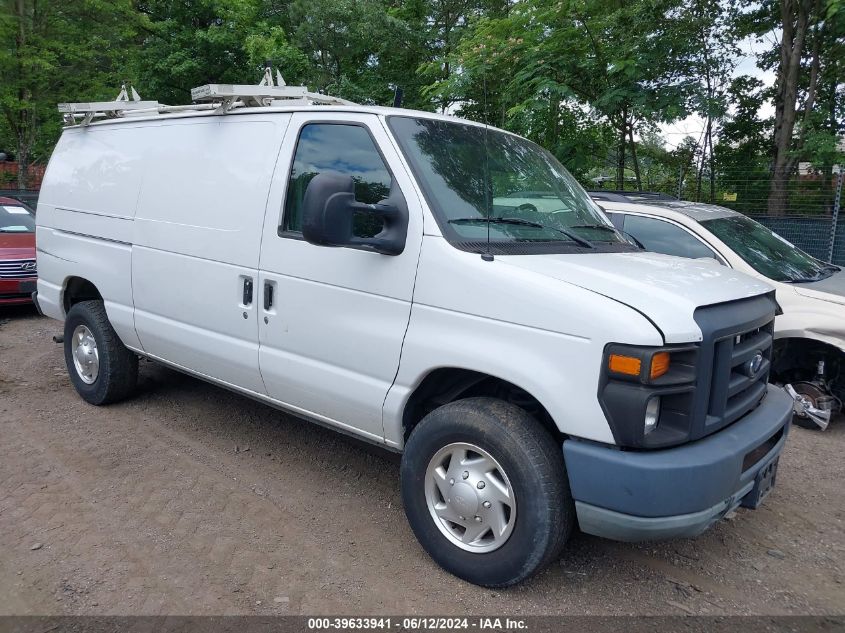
{"type": "Point", "coordinates": [489, 185]}
{"type": "Point", "coordinates": [766, 251]}
{"type": "Point", "coordinates": [16, 219]}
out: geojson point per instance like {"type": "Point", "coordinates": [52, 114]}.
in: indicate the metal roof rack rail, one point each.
{"type": "Point", "coordinates": [220, 98]}
{"type": "Point", "coordinates": [266, 93]}
{"type": "Point", "coordinates": [106, 109]}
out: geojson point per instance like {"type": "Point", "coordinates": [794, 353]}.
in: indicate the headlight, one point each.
{"type": "Point", "coordinates": [652, 415]}
{"type": "Point", "coordinates": [647, 393]}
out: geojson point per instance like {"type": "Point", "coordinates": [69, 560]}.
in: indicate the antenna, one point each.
{"type": "Point", "coordinates": [488, 256]}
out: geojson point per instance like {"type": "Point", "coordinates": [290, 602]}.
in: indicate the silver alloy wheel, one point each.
{"type": "Point", "coordinates": [86, 359]}
{"type": "Point", "coordinates": [470, 497]}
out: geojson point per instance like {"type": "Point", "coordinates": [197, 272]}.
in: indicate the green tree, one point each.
{"type": "Point", "coordinates": [808, 61]}
{"type": "Point", "coordinates": [53, 52]}
{"type": "Point", "coordinates": [360, 49]}
{"type": "Point", "coordinates": [619, 64]}
{"type": "Point", "coordinates": [187, 44]}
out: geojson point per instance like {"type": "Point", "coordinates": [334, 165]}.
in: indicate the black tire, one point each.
{"type": "Point", "coordinates": [118, 366]}
{"type": "Point", "coordinates": [533, 461]}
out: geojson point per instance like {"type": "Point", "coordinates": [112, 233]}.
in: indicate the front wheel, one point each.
{"type": "Point", "coordinates": [485, 491]}
{"type": "Point", "coordinates": [101, 368]}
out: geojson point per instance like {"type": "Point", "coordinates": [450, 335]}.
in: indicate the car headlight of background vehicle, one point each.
{"type": "Point", "coordinates": [647, 393]}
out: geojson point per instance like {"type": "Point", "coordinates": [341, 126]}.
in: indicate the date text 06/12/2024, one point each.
{"type": "Point", "coordinates": [418, 623]}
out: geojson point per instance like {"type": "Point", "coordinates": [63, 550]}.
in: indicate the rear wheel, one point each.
{"type": "Point", "coordinates": [485, 491]}
{"type": "Point", "coordinates": [101, 368]}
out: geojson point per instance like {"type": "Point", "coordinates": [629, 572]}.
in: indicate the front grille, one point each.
{"type": "Point", "coordinates": [17, 268]}
{"type": "Point", "coordinates": [736, 389]}
{"type": "Point", "coordinates": [732, 335]}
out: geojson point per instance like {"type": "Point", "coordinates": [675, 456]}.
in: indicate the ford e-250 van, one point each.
{"type": "Point", "coordinates": [362, 268]}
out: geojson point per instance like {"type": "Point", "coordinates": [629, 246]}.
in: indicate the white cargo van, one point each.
{"type": "Point", "coordinates": [361, 267]}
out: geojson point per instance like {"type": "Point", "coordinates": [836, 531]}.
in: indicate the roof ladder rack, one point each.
{"type": "Point", "coordinates": [221, 98]}
{"type": "Point", "coordinates": [106, 109]}
{"type": "Point", "coordinates": [266, 93]}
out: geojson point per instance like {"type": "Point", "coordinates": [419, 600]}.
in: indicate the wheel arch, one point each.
{"type": "Point", "coordinates": [796, 358]}
{"type": "Point", "coordinates": [76, 289]}
{"type": "Point", "coordinates": [448, 384]}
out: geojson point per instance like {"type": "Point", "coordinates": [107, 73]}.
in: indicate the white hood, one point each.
{"type": "Point", "coordinates": [831, 289]}
{"type": "Point", "coordinates": [667, 290]}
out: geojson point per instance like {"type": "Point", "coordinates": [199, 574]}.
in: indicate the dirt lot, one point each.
{"type": "Point", "coordinates": [192, 500]}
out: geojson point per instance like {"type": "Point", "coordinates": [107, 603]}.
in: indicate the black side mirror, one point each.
{"type": "Point", "coordinates": [328, 214]}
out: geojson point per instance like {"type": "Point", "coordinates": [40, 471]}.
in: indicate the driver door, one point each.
{"type": "Point", "coordinates": [332, 320]}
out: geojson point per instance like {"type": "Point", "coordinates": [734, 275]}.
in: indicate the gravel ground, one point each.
{"type": "Point", "coordinates": [189, 499]}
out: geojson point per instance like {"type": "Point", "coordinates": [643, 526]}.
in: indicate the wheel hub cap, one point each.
{"type": "Point", "coordinates": [86, 359]}
{"type": "Point", "coordinates": [470, 497]}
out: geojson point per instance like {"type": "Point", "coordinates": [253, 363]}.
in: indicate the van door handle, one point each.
{"type": "Point", "coordinates": [268, 296]}
{"type": "Point", "coordinates": [247, 292]}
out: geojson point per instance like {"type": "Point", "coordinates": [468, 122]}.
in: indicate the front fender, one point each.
{"type": "Point", "coordinates": [825, 324]}
{"type": "Point", "coordinates": [561, 371]}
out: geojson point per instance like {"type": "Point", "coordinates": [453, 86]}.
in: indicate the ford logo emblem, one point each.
{"type": "Point", "coordinates": [754, 365]}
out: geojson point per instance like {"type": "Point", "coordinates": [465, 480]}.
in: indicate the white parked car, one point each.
{"type": "Point", "coordinates": [340, 263]}
{"type": "Point", "coordinates": [809, 351]}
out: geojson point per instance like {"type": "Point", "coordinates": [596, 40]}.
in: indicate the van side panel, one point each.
{"type": "Point", "coordinates": [95, 170]}
{"type": "Point", "coordinates": [197, 240]}
{"type": "Point", "coordinates": [84, 219]}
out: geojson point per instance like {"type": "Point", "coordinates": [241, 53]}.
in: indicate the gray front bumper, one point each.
{"type": "Point", "coordinates": [675, 492]}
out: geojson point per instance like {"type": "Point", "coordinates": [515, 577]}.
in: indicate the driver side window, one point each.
{"type": "Point", "coordinates": [342, 148]}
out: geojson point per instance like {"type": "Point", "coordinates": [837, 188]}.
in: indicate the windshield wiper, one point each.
{"type": "Point", "coordinates": [520, 222]}
{"type": "Point", "coordinates": [819, 276]}
{"type": "Point", "coordinates": [600, 227]}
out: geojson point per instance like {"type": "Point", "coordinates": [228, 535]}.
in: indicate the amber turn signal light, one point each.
{"type": "Point", "coordinates": [659, 364]}
{"type": "Point", "coordinates": [627, 365]}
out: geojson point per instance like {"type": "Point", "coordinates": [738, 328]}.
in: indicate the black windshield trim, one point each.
{"type": "Point", "coordinates": [493, 247]}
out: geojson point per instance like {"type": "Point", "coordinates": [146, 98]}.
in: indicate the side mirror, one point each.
{"type": "Point", "coordinates": [328, 214]}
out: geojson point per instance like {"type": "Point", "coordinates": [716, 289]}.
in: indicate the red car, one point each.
{"type": "Point", "coordinates": [18, 275]}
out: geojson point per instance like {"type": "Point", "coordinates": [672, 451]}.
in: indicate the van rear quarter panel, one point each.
{"type": "Point", "coordinates": [85, 212]}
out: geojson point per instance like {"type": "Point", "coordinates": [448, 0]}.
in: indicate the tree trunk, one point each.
{"type": "Point", "coordinates": [23, 164]}
{"type": "Point", "coordinates": [706, 154]}
{"type": "Point", "coordinates": [21, 123]}
{"type": "Point", "coordinates": [620, 152]}
{"type": "Point", "coordinates": [795, 15]}
{"type": "Point", "coordinates": [634, 158]}
{"type": "Point", "coordinates": [553, 124]}
{"type": "Point", "coordinates": [711, 164]}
